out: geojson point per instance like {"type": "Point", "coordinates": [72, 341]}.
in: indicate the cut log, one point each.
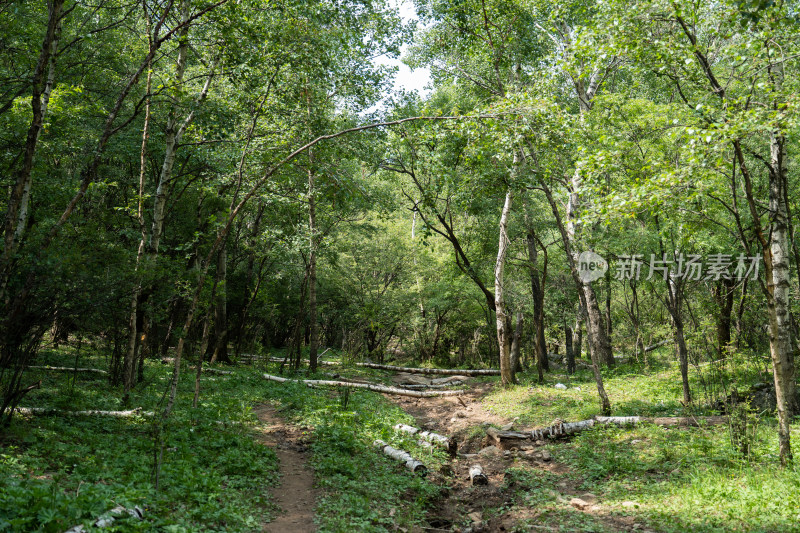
{"type": "Point", "coordinates": [449, 444]}
{"type": "Point", "coordinates": [444, 371]}
{"type": "Point", "coordinates": [68, 369]}
{"type": "Point", "coordinates": [375, 388]}
{"type": "Point", "coordinates": [107, 518]}
{"type": "Point", "coordinates": [477, 476]}
{"type": "Point", "coordinates": [46, 411]}
{"type": "Point", "coordinates": [412, 464]}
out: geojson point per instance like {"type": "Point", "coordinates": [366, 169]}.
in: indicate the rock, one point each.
{"type": "Point", "coordinates": [507, 453]}
{"type": "Point", "coordinates": [576, 388]}
{"type": "Point", "coordinates": [410, 379]}
{"type": "Point", "coordinates": [507, 427]}
{"type": "Point", "coordinates": [561, 386]}
{"type": "Point", "coordinates": [453, 420]}
{"type": "Point", "coordinates": [539, 442]}
{"type": "Point", "coordinates": [636, 441]}
{"type": "Point", "coordinates": [579, 504]}
{"type": "Point", "coordinates": [525, 447]}
{"type": "Point", "coordinates": [563, 484]}
{"type": "Point", "coordinates": [460, 414]}
{"type": "Point", "coordinates": [637, 527]}
{"type": "Point", "coordinates": [588, 497]}
{"type": "Point", "coordinates": [546, 455]}
{"type": "Point", "coordinates": [448, 379]}
{"type": "Point", "coordinates": [630, 504]}
{"type": "Point", "coordinates": [475, 517]}
{"type": "Point", "coordinates": [490, 451]}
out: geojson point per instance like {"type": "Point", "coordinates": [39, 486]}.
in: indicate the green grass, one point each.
{"type": "Point", "coordinates": [678, 479]}
{"type": "Point", "coordinates": [363, 490]}
{"type": "Point", "coordinates": [56, 472]}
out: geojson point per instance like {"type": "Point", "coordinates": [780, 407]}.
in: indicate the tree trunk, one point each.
{"type": "Point", "coordinates": [570, 354]}
{"type": "Point", "coordinates": [516, 343]}
{"type": "Point", "coordinates": [41, 85]}
{"type": "Point", "coordinates": [674, 304]}
{"type": "Point", "coordinates": [778, 289]}
{"type": "Point", "coordinates": [577, 337]}
{"type": "Point", "coordinates": [313, 343]}
{"type": "Point", "coordinates": [503, 333]}
{"type": "Point", "coordinates": [595, 347]}
{"type": "Point", "coordinates": [723, 294]}
{"type": "Point", "coordinates": [537, 292]}
{"type": "Point", "coordinates": [221, 309]}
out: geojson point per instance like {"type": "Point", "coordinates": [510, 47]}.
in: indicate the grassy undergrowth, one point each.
{"type": "Point", "coordinates": [363, 491]}
{"type": "Point", "coordinates": [667, 479]}
{"type": "Point", "coordinates": [57, 472]}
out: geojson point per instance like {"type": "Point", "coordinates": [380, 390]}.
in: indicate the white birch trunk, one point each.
{"type": "Point", "coordinates": [503, 321]}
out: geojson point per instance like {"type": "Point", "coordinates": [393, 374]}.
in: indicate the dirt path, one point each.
{"type": "Point", "coordinates": [461, 417]}
{"type": "Point", "coordinates": [295, 496]}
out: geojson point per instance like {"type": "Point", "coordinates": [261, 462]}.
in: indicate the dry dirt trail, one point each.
{"type": "Point", "coordinates": [295, 495]}
{"type": "Point", "coordinates": [478, 506]}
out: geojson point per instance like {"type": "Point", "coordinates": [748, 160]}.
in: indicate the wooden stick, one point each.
{"type": "Point", "coordinates": [376, 388]}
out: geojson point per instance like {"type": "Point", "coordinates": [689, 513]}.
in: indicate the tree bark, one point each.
{"type": "Point", "coordinates": [724, 296]}
{"type": "Point", "coordinates": [537, 292]}
{"type": "Point", "coordinates": [516, 343]}
{"type": "Point", "coordinates": [221, 309]}
{"type": "Point", "coordinates": [41, 87]}
{"type": "Point", "coordinates": [595, 350]}
{"type": "Point", "coordinates": [570, 353]}
{"type": "Point", "coordinates": [503, 333]}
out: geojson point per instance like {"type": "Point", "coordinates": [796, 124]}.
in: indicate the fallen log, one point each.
{"type": "Point", "coordinates": [68, 369]}
{"type": "Point", "coordinates": [424, 387]}
{"type": "Point", "coordinates": [375, 388]}
{"type": "Point", "coordinates": [568, 428]}
{"type": "Point", "coordinates": [217, 371]}
{"type": "Point", "coordinates": [476, 475]}
{"type": "Point", "coordinates": [512, 439]}
{"type": "Point", "coordinates": [444, 371]}
{"type": "Point", "coordinates": [107, 518]}
{"type": "Point", "coordinates": [449, 444]}
{"type": "Point", "coordinates": [412, 464]}
{"type": "Point", "coordinates": [280, 360]}
{"type": "Point", "coordinates": [46, 411]}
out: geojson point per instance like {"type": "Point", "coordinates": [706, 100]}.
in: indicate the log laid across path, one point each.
{"type": "Point", "coordinates": [375, 388]}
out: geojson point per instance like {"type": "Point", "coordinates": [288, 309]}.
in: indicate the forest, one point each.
{"type": "Point", "coordinates": [248, 282]}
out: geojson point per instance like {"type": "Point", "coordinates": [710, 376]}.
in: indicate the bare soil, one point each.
{"type": "Point", "coordinates": [295, 496]}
